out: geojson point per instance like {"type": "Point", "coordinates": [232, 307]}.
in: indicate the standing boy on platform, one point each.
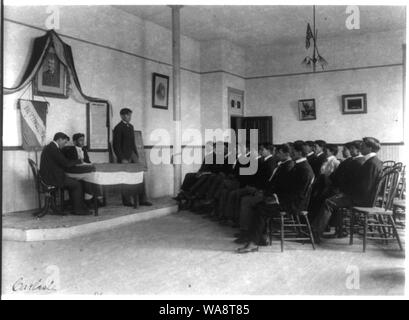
{"type": "Point", "coordinates": [125, 151]}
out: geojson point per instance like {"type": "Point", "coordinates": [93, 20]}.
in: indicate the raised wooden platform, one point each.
{"type": "Point", "coordinates": [24, 226]}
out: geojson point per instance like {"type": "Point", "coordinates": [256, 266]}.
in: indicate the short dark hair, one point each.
{"type": "Point", "coordinates": [354, 144]}
{"type": "Point", "coordinates": [333, 148]}
{"type": "Point", "coordinates": [310, 143]}
{"type": "Point", "coordinates": [299, 146]}
{"type": "Point", "coordinates": [372, 143]}
{"type": "Point", "coordinates": [321, 143]}
{"type": "Point", "coordinates": [76, 136]}
{"type": "Point", "coordinates": [285, 148]}
{"type": "Point", "coordinates": [61, 135]}
{"type": "Point", "coordinates": [125, 111]}
{"type": "Point", "coordinates": [268, 146]}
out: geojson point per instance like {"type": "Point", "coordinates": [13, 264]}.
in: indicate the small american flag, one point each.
{"type": "Point", "coordinates": [309, 36]}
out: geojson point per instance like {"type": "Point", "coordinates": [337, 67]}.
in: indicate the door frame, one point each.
{"type": "Point", "coordinates": [234, 91]}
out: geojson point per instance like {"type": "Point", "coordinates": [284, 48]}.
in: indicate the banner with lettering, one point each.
{"type": "Point", "coordinates": [33, 123]}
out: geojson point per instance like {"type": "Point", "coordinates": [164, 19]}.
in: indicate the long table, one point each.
{"type": "Point", "coordinates": [109, 174]}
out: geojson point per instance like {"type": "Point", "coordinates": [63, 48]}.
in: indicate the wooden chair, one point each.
{"type": "Point", "coordinates": [45, 189]}
{"type": "Point", "coordinates": [398, 166]}
{"type": "Point", "coordinates": [399, 203]}
{"type": "Point", "coordinates": [292, 228]}
{"type": "Point", "coordinates": [344, 214]}
{"type": "Point", "coordinates": [388, 163]}
{"type": "Point", "coordinates": [377, 221]}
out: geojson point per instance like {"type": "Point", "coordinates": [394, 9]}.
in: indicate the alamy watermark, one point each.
{"type": "Point", "coordinates": [353, 281]}
{"type": "Point", "coordinates": [216, 141]}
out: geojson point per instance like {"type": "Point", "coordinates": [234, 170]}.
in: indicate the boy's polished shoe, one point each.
{"type": "Point", "coordinates": [248, 248]}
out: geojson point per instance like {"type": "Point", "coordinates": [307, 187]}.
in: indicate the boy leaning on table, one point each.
{"type": "Point", "coordinates": [52, 170]}
{"type": "Point", "coordinates": [78, 151]}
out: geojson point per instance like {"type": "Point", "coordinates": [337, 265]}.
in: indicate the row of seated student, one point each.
{"type": "Point", "coordinates": [284, 173]}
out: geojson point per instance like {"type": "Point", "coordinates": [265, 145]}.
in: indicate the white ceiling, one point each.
{"type": "Point", "coordinates": [261, 25]}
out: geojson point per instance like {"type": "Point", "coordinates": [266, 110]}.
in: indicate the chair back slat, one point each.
{"type": "Point", "coordinates": [398, 166]}
{"type": "Point", "coordinates": [388, 163]}
{"type": "Point", "coordinates": [36, 172]}
{"type": "Point", "coordinates": [386, 189]}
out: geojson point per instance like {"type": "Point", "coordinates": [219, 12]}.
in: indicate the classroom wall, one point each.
{"type": "Point", "coordinates": [223, 65]}
{"type": "Point", "coordinates": [276, 80]}
{"type": "Point", "coordinates": [118, 65]}
{"type": "Point", "coordinates": [115, 65]}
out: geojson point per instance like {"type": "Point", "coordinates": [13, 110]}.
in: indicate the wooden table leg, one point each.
{"type": "Point", "coordinates": [104, 199]}
{"type": "Point", "coordinates": [62, 200]}
{"type": "Point", "coordinates": [136, 199]}
{"type": "Point", "coordinates": [95, 205]}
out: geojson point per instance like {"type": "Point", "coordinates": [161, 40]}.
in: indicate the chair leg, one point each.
{"type": "Point", "coordinates": [39, 200]}
{"type": "Point", "coordinates": [53, 206]}
{"type": "Point", "coordinates": [270, 231]}
{"type": "Point", "coordinates": [382, 230]}
{"type": "Point", "coordinates": [299, 229]}
{"type": "Point", "coordinates": [44, 211]}
{"type": "Point", "coordinates": [365, 230]}
{"type": "Point", "coordinates": [395, 231]}
{"type": "Point", "coordinates": [310, 232]}
{"type": "Point", "coordinates": [351, 229]}
{"type": "Point", "coordinates": [282, 233]}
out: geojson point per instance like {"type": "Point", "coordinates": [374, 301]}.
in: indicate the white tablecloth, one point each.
{"type": "Point", "coordinates": [109, 178]}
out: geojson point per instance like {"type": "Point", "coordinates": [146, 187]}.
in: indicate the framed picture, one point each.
{"type": "Point", "coordinates": [354, 103]}
{"type": "Point", "coordinates": [51, 78]}
{"type": "Point", "coordinates": [306, 109]}
{"type": "Point", "coordinates": [160, 91]}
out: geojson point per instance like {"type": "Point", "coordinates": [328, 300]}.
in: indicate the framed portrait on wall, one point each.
{"type": "Point", "coordinates": [306, 109]}
{"type": "Point", "coordinates": [160, 91]}
{"type": "Point", "coordinates": [51, 78]}
{"type": "Point", "coordinates": [354, 103]}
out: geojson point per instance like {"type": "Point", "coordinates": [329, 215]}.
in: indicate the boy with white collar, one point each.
{"type": "Point", "coordinates": [293, 201]}
{"type": "Point", "coordinates": [364, 187]}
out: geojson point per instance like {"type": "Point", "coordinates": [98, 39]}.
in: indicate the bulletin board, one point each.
{"type": "Point", "coordinates": [97, 126]}
{"type": "Point", "coordinates": [140, 148]}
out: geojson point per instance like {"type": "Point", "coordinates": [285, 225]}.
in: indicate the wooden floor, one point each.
{"type": "Point", "coordinates": [184, 254]}
{"type": "Point", "coordinates": [26, 220]}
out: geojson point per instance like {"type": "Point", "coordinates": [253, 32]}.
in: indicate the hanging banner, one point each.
{"type": "Point", "coordinates": [33, 123]}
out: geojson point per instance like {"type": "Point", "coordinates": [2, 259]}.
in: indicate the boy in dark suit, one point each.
{"type": "Point", "coordinates": [267, 168]}
{"type": "Point", "coordinates": [52, 170]}
{"type": "Point", "coordinates": [247, 183]}
{"type": "Point", "coordinates": [125, 150]}
{"type": "Point", "coordinates": [192, 177]}
{"type": "Point", "coordinates": [321, 157]}
{"type": "Point", "coordinates": [78, 150]}
{"type": "Point", "coordinates": [309, 148]}
{"type": "Point", "coordinates": [343, 178]}
{"type": "Point", "coordinates": [292, 200]}
{"type": "Point", "coordinates": [362, 185]}
{"type": "Point", "coordinates": [278, 183]}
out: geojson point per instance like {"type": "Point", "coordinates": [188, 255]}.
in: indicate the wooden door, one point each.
{"type": "Point", "coordinates": [264, 125]}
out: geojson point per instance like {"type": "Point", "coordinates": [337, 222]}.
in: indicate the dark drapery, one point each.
{"type": "Point", "coordinates": [64, 53]}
